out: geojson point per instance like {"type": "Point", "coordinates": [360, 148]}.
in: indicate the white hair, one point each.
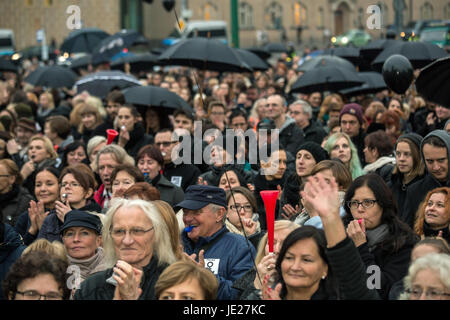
{"type": "Point", "coordinates": [306, 107]}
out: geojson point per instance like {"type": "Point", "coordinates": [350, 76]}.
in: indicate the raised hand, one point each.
{"type": "Point", "coordinates": [193, 257]}
{"type": "Point", "coordinates": [357, 232]}
{"type": "Point", "coordinates": [268, 293]}
{"type": "Point", "coordinates": [321, 196]}
{"type": "Point", "coordinates": [266, 268]}
{"type": "Point", "coordinates": [128, 281]}
{"type": "Point", "coordinates": [249, 226]}
{"type": "Point", "coordinates": [62, 209]}
{"type": "Point", "coordinates": [37, 215]}
{"type": "Point", "coordinates": [124, 136]}
{"type": "Point", "coordinates": [289, 211]}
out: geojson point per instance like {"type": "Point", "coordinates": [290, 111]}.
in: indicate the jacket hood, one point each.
{"type": "Point", "coordinates": [11, 241]}
{"type": "Point", "coordinates": [286, 123]}
{"type": "Point", "coordinates": [444, 137]}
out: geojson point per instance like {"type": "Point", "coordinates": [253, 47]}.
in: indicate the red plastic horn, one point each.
{"type": "Point", "coordinates": [112, 134]}
{"type": "Point", "coordinates": [270, 200]}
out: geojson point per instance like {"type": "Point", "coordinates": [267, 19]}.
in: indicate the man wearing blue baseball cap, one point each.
{"type": "Point", "coordinates": [228, 255]}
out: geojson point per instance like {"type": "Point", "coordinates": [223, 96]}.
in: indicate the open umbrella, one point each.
{"type": "Point", "coordinates": [52, 77]}
{"type": "Point", "coordinates": [433, 82]}
{"type": "Point", "coordinates": [155, 97]}
{"type": "Point", "coordinates": [275, 48]}
{"type": "Point", "coordinates": [371, 50]}
{"type": "Point", "coordinates": [204, 54]}
{"type": "Point", "coordinates": [349, 53]}
{"type": "Point", "coordinates": [83, 40]}
{"type": "Point", "coordinates": [373, 82]}
{"type": "Point", "coordinates": [418, 53]}
{"type": "Point", "coordinates": [326, 61]}
{"type": "Point", "coordinates": [326, 79]}
{"type": "Point", "coordinates": [99, 84]}
{"type": "Point", "coordinates": [141, 62]}
{"type": "Point", "coordinates": [114, 44]}
{"type": "Point", "coordinates": [81, 63]}
{"type": "Point", "coordinates": [260, 52]}
{"type": "Point", "coordinates": [7, 65]}
{"type": "Point", "coordinates": [254, 61]}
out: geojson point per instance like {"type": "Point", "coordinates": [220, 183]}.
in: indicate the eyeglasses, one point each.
{"type": "Point", "coordinates": [164, 143]}
{"type": "Point", "coordinates": [134, 232]}
{"type": "Point", "coordinates": [34, 295]}
{"type": "Point", "coordinates": [4, 175]}
{"type": "Point", "coordinates": [217, 113]}
{"type": "Point", "coordinates": [81, 234]}
{"type": "Point", "coordinates": [72, 184]}
{"type": "Point", "coordinates": [416, 293]}
{"type": "Point", "coordinates": [295, 112]}
{"type": "Point", "coordinates": [239, 207]}
{"type": "Point", "coordinates": [366, 203]}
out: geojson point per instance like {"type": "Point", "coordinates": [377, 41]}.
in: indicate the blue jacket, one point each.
{"type": "Point", "coordinates": [228, 257]}
{"type": "Point", "coordinates": [10, 250]}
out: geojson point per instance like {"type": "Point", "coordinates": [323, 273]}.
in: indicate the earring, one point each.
{"type": "Point", "coordinates": [324, 276]}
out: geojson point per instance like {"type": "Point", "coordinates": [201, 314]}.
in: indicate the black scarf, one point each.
{"type": "Point", "coordinates": [136, 135]}
{"type": "Point", "coordinates": [428, 232]}
{"type": "Point", "coordinates": [5, 197]}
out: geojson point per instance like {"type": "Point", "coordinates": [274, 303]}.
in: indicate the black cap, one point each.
{"type": "Point", "coordinates": [77, 218]}
{"type": "Point", "coordinates": [315, 149]}
{"type": "Point", "coordinates": [199, 196]}
{"type": "Point", "coordinates": [413, 137]}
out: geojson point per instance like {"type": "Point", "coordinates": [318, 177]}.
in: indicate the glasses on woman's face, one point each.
{"type": "Point", "coordinates": [366, 203]}
{"type": "Point", "coordinates": [71, 184]}
{"type": "Point", "coordinates": [134, 232]}
{"type": "Point", "coordinates": [238, 207]}
{"type": "Point", "coordinates": [34, 295]}
{"type": "Point", "coordinates": [432, 294]}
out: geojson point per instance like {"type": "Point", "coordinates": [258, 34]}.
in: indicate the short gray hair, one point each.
{"type": "Point", "coordinates": [215, 207]}
{"type": "Point", "coordinates": [119, 153]}
{"type": "Point", "coordinates": [93, 142]}
{"type": "Point", "coordinates": [439, 262]}
{"type": "Point", "coordinates": [306, 107]}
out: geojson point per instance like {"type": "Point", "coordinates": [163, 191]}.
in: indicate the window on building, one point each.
{"type": "Point", "coordinates": [321, 18]}
{"type": "Point", "coordinates": [245, 15]}
{"type": "Point", "coordinates": [210, 11]}
{"type": "Point", "coordinates": [273, 16]}
{"type": "Point", "coordinates": [28, 3]}
{"type": "Point", "coordinates": [426, 11]}
{"type": "Point", "coordinates": [300, 14]}
{"type": "Point", "coordinates": [447, 11]}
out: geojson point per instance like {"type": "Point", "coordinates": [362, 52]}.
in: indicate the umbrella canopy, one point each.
{"type": "Point", "coordinates": [253, 60]}
{"type": "Point", "coordinates": [275, 48]}
{"type": "Point", "coordinates": [81, 63]}
{"type": "Point", "coordinates": [260, 52]}
{"type": "Point", "coordinates": [373, 82]}
{"type": "Point", "coordinates": [433, 82]}
{"type": "Point", "coordinates": [348, 53]}
{"type": "Point", "coordinates": [326, 61]}
{"type": "Point", "coordinates": [204, 54]}
{"type": "Point", "coordinates": [7, 65]}
{"type": "Point", "coordinates": [83, 40]}
{"type": "Point", "coordinates": [418, 53]}
{"type": "Point", "coordinates": [36, 51]}
{"type": "Point", "coordinates": [371, 50]}
{"type": "Point", "coordinates": [141, 62]}
{"type": "Point", "coordinates": [326, 79]}
{"type": "Point", "coordinates": [99, 84]}
{"type": "Point", "coordinates": [155, 97]}
{"type": "Point", "coordinates": [114, 44]}
{"type": "Point", "coordinates": [52, 77]}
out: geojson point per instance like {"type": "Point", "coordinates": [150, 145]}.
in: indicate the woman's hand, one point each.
{"type": "Point", "coordinates": [431, 119]}
{"type": "Point", "coordinates": [265, 268]}
{"type": "Point", "coordinates": [37, 215]}
{"type": "Point", "coordinates": [357, 232]}
{"type": "Point", "coordinates": [12, 147]}
{"type": "Point", "coordinates": [128, 281]}
{"type": "Point", "coordinates": [124, 136]}
{"type": "Point", "coordinates": [321, 196]}
{"type": "Point", "coordinates": [268, 293]}
{"type": "Point", "coordinates": [62, 209]}
{"type": "Point", "coordinates": [202, 182]}
{"type": "Point", "coordinates": [27, 169]}
{"type": "Point", "coordinates": [251, 187]}
{"type": "Point", "coordinates": [249, 226]}
{"type": "Point", "coordinates": [289, 211]}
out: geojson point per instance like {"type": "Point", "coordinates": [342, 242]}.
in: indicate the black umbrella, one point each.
{"type": "Point", "coordinates": [101, 83]}
{"type": "Point", "coordinates": [254, 61]}
{"type": "Point", "coordinates": [371, 50]}
{"type": "Point", "coordinates": [260, 52]}
{"type": "Point", "coordinates": [348, 53]}
{"type": "Point", "coordinates": [326, 79]}
{"type": "Point", "coordinates": [157, 51]}
{"type": "Point", "coordinates": [433, 82]}
{"type": "Point", "coordinates": [81, 63]}
{"type": "Point", "coordinates": [7, 65]}
{"type": "Point", "coordinates": [83, 40]}
{"type": "Point", "coordinates": [52, 77]}
{"type": "Point", "coordinates": [275, 48]}
{"type": "Point", "coordinates": [155, 97]}
{"type": "Point", "coordinates": [36, 51]}
{"type": "Point", "coordinates": [418, 53]}
{"type": "Point", "coordinates": [141, 62]}
{"type": "Point", "coordinates": [114, 44]}
{"type": "Point", "coordinates": [326, 61]}
{"type": "Point", "coordinates": [373, 82]}
{"type": "Point", "coordinates": [204, 54]}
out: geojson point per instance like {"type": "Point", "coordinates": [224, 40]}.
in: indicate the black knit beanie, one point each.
{"type": "Point", "coordinates": [315, 149]}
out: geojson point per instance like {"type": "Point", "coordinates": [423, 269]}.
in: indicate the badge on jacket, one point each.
{"type": "Point", "coordinates": [176, 180]}
{"type": "Point", "coordinates": [212, 265]}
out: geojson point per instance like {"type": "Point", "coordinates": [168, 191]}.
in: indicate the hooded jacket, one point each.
{"type": "Point", "coordinates": [291, 136]}
{"type": "Point", "coordinates": [417, 192]}
{"type": "Point", "coordinates": [138, 139]}
{"type": "Point", "coordinates": [13, 203]}
{"type": "Point", "coordinates": [11, 248]}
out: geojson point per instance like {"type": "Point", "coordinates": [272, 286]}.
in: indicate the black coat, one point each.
{"type": "Point", "coordinates": [138, 139]}
{"type": "Point", "coordinates": [95, 286]}
{"type": "Point", "coordinates": [399, 189]}
{"type": "Point", "coordinates": [358, 141]}
{"type": "Point", "coordinates": [186, 174]}
{"type": "Point", "coordinates": [169, 192]}
{"type": "Point", "coordinates": [291, 137]}
{"type": "Point", "coordinates": [13, 203]}
{"type": "Point", "coordinates": [100, 130]}
{"type": "Point", "coordinates": [428, 232]}
{"type": "Point", "coordinates": [314, 132]}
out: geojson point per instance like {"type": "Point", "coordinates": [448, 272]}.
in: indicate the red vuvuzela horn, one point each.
{"type": "Point", "coordinates": [270, 200]}
{"type": "Point", "coordinates": [112, 134]}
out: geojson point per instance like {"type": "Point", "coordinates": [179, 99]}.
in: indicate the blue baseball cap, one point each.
{"type": "Point", "coordinates": [199, 196]}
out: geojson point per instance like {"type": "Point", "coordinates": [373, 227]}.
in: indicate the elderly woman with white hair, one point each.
{"type": "Point", "coordinates": [428, 278]}
{"type": "Point", "coordinates": [137, 250]}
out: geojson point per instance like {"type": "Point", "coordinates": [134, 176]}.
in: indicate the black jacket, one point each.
{"type": "Point", "coordinates": [428, 232]}
{"type": "Point", "coordinates": [358, 141]}
{"type": "Point", "coordinates": [291, 136]}
{"type": "Point", "coordinates": [169, 192]}
{"type": "Point", "coordinates": [185, 174]}
{"type": "Point", "coordinates": [399, 189]}
{"type": "Point", "coordinates": [314, 132]}
{"type": "Point", "coordinates": [95, 286]}
{"type": "Point", "coordinates": [13, 203]}
{"type": "Point", "coordinates": [100, 130]}
{"type": "Point", "coordinates": [138, 139]}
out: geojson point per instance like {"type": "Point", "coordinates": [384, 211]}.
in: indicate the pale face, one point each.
{"type": "Point", "coordinates": [205, 222]}
{"type": "Point", "coordinates": [442, 113]}
{"type": "Point", "coordinates": [296, 113]}
{"type": "Point", "coordinates": [135, 250]}
{"type": "Point", "coordinates": [281, 163]}
{"type": "Point", "coordinates": [304, 163]}
{"type": "Point", "coordinates": [232, 179]}
{"type": "Point", "coordinates": [350, 125]}
{"type": "Point", "coordinates": [149, 166]}
{"type": "Point", "coordinates": [95, 151]}
{"type": "Point", "coordinates": [403, 156]}
{"type": "Point", "coordinates": [126, 119]}
{"type": "Point", "coordinates": [245, 211]}
{"type": "Point", "coordinates": [274, 107]}
{"type": "Point", "coordinates": [436, 213]}
{"type": "Point", "coordinates": [436, 160]}
{"type": "Point", "coordinates": [315, 100]}
{"type": "Point", "coordinates": [81, 242]}
{"type": "Point", "coordinates": [370, 154]}
{"type": "Point", "coordinates": [76, 195]}
{"type": "Point", "coordinates": [23, 135]}
{"type": "Point", "coordinates": [278, 238]}
{"type": "Point", "coordinates": [122, 182]}
{"type": "Point", "coordinates": [37, 151]}
{"type": "Point", "coordinates": [48, 132]}
{"type": "Point", "coordinates": [394, 104]}
{"type": "Point", "coordinates": [46, 188]}
{"type": "Point", "coordinates": [217, 115]}
{"type": "Point", "coordinates": [6, 179]}
{"type": "Point", "coordinates": [190, 289]}
{"type": "Point", "coordinates": [183, 122]}
{"type": "Point", "coordinates": [371, 216]}
{"type": "Point", "coordinates": [428, 280]}
{"type": "Point", "coordinates": [163, 141]}
{"type": "Point", "coordinates": [342, 150]}
{"type": "Point", "coordinates": [43, 283]}
{"type": "Point", "coordinates": [239, 123]}
{"type": "Point", "coordinates": [106, 164]}
{"type": "Point", "coordinates": [422, 250]}
{"type": "Point", "coordinates": [302, 266]}
{"type": "Point", "coordinates": [76, 156]}
{"type": "Point", "coordinates": [88, 120]}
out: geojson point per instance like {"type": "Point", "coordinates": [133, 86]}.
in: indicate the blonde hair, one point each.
{"type": "Point", "coordinates": [51, 102]}
{"type": "Point", "coordinates": [54, 248]}
{"type": "Point", "coordinates": [161, 241]}
{"type": "Point", "coordinates": [97, 103]}
{"type": "Point", "coordinates": [48, 145]}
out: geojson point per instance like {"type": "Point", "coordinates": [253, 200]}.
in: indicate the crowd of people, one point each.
{"type": "Point", "coordinates": [363, 207]}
